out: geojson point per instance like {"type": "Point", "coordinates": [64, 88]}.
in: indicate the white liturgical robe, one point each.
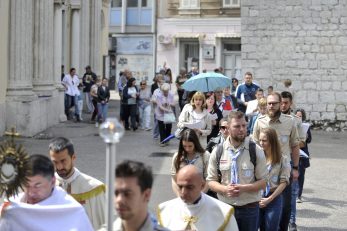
{"type": "Point", "coordinates": [208, 214]}
{"type": "Point", "coordinates": [89, 192]}
{"type": "Point", "coordinates": [59, 212]}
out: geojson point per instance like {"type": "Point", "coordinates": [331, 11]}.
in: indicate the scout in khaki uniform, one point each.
{"type": "Point", "coordinates": [194, 210]}
{"type": "Point", "coordinates": [88, 191]}
{"type": "Point", "coordinates": [287, 132]}
{"type": "Point", "coordinates": [241, 181]}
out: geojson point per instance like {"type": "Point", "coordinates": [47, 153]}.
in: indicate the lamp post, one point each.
{"type": "Point", "coordinates": [111, 131]}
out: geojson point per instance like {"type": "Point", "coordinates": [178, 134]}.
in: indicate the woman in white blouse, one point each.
{"type": "Point", "coordinates": [196, 117]}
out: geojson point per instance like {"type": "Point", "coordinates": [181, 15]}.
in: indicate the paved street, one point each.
{"type": "Point", "coordinates": [325, 191]}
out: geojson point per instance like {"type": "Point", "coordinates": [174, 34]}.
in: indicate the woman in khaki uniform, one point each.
{"type": "Point", "coordinates": [279, 172]}
{"type": "Point", "coordinates": [189, 152]}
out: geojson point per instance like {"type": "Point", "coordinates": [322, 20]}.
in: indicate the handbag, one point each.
{"type": "Point", "coordinates": [169, 118]}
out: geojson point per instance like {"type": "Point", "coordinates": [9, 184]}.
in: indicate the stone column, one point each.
{"type": "Point", "coordinates": [95, 43]}
{"type": "Point", "coordinates": [21, 49]}
{"type": "Point", "coordinates": [43, 79]}
{"type": "Point", "coordinates": [85, 36]}
{"type": "Point", "coordinates": [75, 40]}
{"type": "Point", "coordinates": [58, 43]}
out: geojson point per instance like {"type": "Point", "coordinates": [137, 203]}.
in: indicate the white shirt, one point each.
{"type": "Point", "coordinates": [71, 84]}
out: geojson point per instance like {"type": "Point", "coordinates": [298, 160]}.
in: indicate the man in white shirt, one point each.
{"type": "Point", "coordinates": [194, 210]}
{"type": "Point", "coordinates": [42, 205]}
{"type": "Point", "coordinates": [71, 82]}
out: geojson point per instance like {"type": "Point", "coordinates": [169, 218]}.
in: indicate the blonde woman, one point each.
{"type": "Point", "coordinates": [196, 117]}
{"type": "Point", "coordinates": [279, 173]}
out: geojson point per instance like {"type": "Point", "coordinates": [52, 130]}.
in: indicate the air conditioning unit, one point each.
{"type": "Point", "coordinates": [164, 39]}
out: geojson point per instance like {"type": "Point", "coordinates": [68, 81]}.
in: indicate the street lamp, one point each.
{"type": "Point", "coordinates": [111, 131]}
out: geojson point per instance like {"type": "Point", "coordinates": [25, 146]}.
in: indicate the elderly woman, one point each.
{"type": "Point", "coordinates": [164, 101]}
{"type": "Point", "coordinates": [196, 116]}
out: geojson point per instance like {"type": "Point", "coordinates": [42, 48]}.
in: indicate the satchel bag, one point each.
{"type": "Point", "coordinates": [169, 118]}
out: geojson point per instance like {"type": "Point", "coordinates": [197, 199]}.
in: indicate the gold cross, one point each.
{"type": "Point", "coordinates": [12, 133]}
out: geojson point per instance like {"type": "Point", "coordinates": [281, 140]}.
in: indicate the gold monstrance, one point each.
{"type": "Point", "coordinates": [13, 166]}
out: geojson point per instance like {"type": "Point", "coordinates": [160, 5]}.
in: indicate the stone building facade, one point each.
{"type": "Point", "coordinates": [37, 37]}
{"type": "Point", "coordinates": [305, 41]}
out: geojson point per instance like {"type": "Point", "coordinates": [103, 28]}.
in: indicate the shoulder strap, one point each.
{"type": "Point", "coordinates": [253, 153]}
{"type": "Point", "coordinates": [219, 153]}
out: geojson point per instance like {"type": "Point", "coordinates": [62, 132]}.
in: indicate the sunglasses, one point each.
{"type": "Point", "coordinates": [223, 127]}
{"type": "Point", "coordinates": [142, 84]}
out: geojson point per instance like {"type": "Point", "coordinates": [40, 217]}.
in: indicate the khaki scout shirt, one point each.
{"type": "Point", "coordinates": [279, 173]}
{"type": "Point", "coordinates": [201, 163]}
{"type": "Point", "coordinates": [301, 132]}
{"type": "Point", "coordinates": [285, 127]}
{"type": "Point", "coordinates": [246, 172]}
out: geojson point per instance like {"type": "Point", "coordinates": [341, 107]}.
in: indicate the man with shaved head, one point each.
{"type": "Point", "coordinates": [194, 210]}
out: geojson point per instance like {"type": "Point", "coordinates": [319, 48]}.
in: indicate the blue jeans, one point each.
{"type": "Point", "coordinates": [102, 112]}
{"type": "Point", "coordinates": [247, 218]}
{"type": "Point", "coordinates": [269, 217]}
{"type": "Point", "coordinates": [295, 190]}
{"type": "Point", "coordinates": [145, 116]}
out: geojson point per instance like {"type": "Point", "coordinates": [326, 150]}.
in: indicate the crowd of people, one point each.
{"type": "Point", "coordinates": [240, 163]}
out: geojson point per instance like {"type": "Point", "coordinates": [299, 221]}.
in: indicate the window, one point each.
{"type": "Point", "coordinates": [133, 3]}
{"type": "Point", "coordinates": [116, 3]}
{"type": "Point", "coordinates": [146, 3]}
{"type": "Point", "coordinates": [231, 3]}
{"type": "Point", "coordinates": [190, 3]}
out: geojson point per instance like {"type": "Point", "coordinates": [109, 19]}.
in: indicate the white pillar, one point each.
{"type": "Point", "coordinates": [95, 43]}
{"type": "Point", "coordinates": [58, 43]}
{"type": "Point", "coordinates": [85, 35]}
{"type": "Point", "coordinates": [43, 77]}
{"type": "Point", "coordinates": [124, 16]}
{"type": "Point", "coordinates": [75, 40]}
{"type": "Point", "coordinates": [21, 49]}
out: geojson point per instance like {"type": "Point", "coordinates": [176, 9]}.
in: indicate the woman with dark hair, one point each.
{"type": "Point", "coordinates": [279, 172]}
{"type": "Point", "coordinates": [215, 114]}
{"type": "Point", "coordinates": [235, 83]}
{"type": "Point", "coordinates": [130, 96]}
{"type": "Point", "coordinates": [168, 76]}
{"type": "Point", "coordinates": [189, 152]}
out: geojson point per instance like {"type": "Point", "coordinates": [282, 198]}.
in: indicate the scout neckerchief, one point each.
{"type": "Point", "coordinates": [234, 168]}
{"type": "Point", "coordinates": [267, 189]}
{"type": "Point", "coordinates": [191, 161]}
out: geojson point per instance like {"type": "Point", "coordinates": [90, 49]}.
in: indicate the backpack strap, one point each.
{"type": "Point", "coordinates": [253, 155]}
{"type": "Point", "coordinates": [219, 153]}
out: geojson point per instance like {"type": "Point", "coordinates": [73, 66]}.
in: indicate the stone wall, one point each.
{"type": "Point", "coordinates": [305, 41]}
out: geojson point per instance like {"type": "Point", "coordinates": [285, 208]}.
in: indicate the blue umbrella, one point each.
{"type": "Point", "coordinates": [206, 82]}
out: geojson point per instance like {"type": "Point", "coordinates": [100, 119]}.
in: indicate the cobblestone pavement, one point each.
{"type": "Point", "coordinates": [325, 191]}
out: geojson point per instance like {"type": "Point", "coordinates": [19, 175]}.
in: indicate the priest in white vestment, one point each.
{"type": "Point", "coordinates": [88, 191]}
{"type": "Point", "coordinates": [43, 206]}
{"type": "Point", "coordinates": [194, 210]}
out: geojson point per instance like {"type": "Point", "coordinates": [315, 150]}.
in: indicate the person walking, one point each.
{"type": "Point", "coordinates": [145, 106]}
{"type": "Point", "coordinates": [164, 101]}
{"type": "Point", "coordinates": [279, 172]}
{"type": "Point", "coordinates": [189, 152]}
{"type": "Point", "coordinates": [103, 99]}
{"type": "Point", "coordinates": [88, 80]}
{"type": "Point", "coordinates": [70, 83]}
{"type": "Point", "coordinates": [130, 96]}
{"type": "Point", "coordinates": [237, 172]}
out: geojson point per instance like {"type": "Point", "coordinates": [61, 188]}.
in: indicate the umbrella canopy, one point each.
{"type": "Point", "coordinates": [206, 82]}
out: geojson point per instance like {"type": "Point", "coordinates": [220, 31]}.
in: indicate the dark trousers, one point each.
{"type": "Point", "coordinates": [69, 102]}
{"type": "Point", "coordinates": [247, 218]}
{"type": "Point", "coordinates": [95, 112]}
{"type": "Point", "coordinates": [130, 110]}
{"type": "Point", "coordinates": [301, 178]}
{"type": "Point", "coordinates": [164, 130]}
{"type": "Point", "coordinates": [286, 207]}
